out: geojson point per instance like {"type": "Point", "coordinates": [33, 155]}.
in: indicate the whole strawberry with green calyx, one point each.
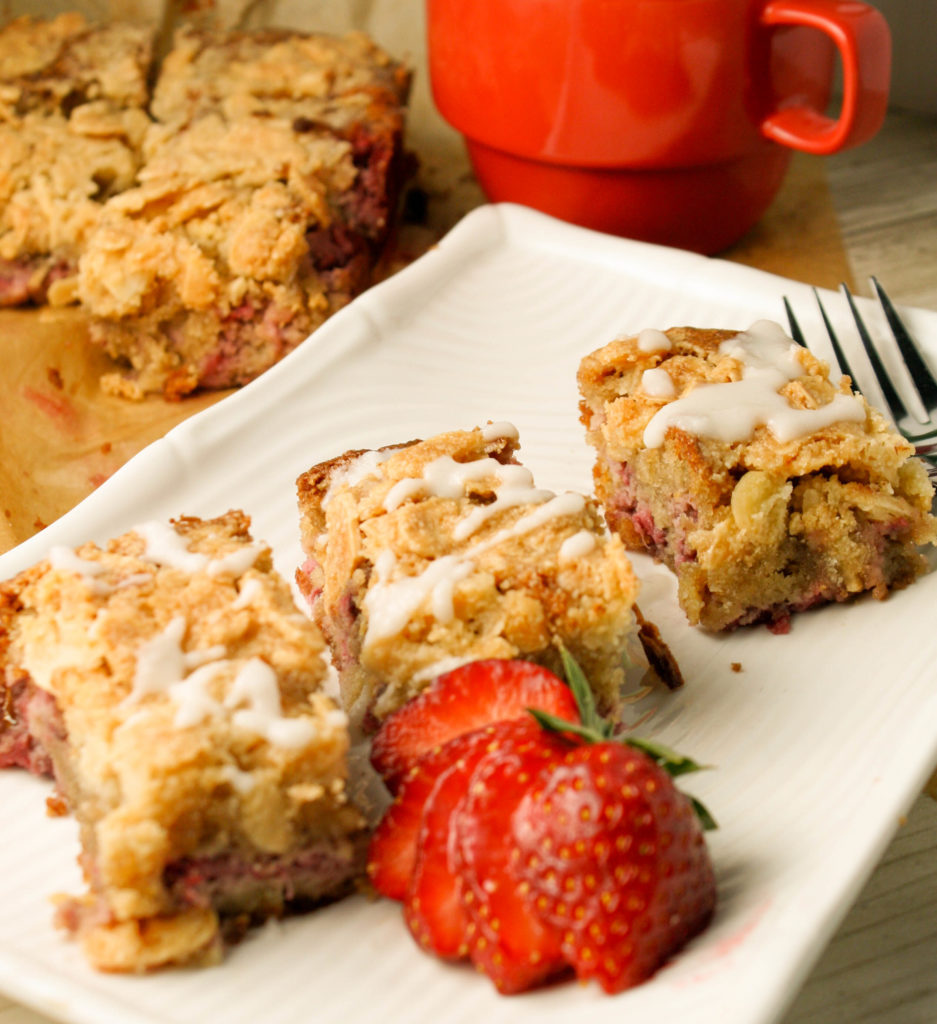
{"type": "Point", "coordinates": [540, 849]}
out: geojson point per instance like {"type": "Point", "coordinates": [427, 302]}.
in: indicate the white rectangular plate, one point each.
{"type": "Point", "coordinates": [820, 742]}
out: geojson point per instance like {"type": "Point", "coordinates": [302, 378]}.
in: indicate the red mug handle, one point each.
{"type": "Point", "coordinates": [862, 37]}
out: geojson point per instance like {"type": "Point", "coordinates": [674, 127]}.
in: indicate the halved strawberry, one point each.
{"type": "Point", "coordinates": [508, 939]}
{"type": "Point", "coordinates": [433, 908]}
{"type": "Point", "coordinates": [533, 847]}
{"type": "Point", "coordinates": [614, 858]}
{"type": "Point", "coordinates": [393, 848]}
{"type": "Point", "coordinates": [472, 695]}
{"type": "Point", "coordinates": [392, 855]}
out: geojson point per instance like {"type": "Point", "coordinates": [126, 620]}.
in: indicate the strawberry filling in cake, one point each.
{"type": "Point", "coordinates": [30, 280]}
{"type": "Point", "coordinates": [28, 712]}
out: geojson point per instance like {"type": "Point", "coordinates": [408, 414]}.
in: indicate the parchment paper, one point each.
{"type": "Point", "coordinates": [60, 436]}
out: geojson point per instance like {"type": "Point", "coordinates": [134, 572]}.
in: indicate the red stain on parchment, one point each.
{"type": "Point", "coordinates": [55, 407]}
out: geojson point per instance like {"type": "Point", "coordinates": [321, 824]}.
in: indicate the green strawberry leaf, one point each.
{"type": "Point", "coordinates": [553, 723]}
{"type": "Point", "coordinates": [708, 822]}
{"type": "Point", "coordinates": [670, 760]}
{"type": "Point", "coordinates": [596, 729]}
{"type": "Point", "coordinates": [585, 698]}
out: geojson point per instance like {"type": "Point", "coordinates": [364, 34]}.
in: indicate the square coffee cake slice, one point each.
{"type": "Point", "coordinates": [766, 487]}
{"type": "Point", "coordinates": [171, 686]}
{"type": "Point", "coordinates": [72, 119]}
{"type": "Point", "coordinates": [267, 193]}
{"type": "Point", "coordinates": [427, 555]}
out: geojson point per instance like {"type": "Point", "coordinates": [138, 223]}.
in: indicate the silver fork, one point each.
{"type": "Point", "coordinates": [918, 427]}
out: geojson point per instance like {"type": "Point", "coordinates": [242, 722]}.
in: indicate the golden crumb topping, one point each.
{"type": "Point", "coordinates": [447, 551]}
{"type": "Point", "coordinates": [193, 719]}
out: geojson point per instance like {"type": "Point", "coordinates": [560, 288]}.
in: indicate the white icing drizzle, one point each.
{"type": "Point", "coordinates": [61, 557]}
{"type": "Point", "coordinates": [64, 559]}
{"type": "Point", "coordinates": [236, 562]}
{"type": "Point", "coordinates": [355, 471]}
{"type": "Point", "coordinates": [197, 658]}
{"type": "Point", "coordinates": [732, 411]}
{"type": "Point", "coordinates": [133, 580]}
{"type": "Point", "coordinates": [402, 491]}
{"type": "Point", "coordinates": [250, 590]}
{"type": "Point", "coordinates": [499, 431]}
{"type": "Point", "coordinates": [658, 383]}
{"type": "Point", "coordinates": [764, 346]}
{"type": "Point", "coordinates": [444, 590]}
{"type": "Point", "coordinates": [163, 667]}
{"type": "Point", "coordinates": [166, 547]}
{"type": "Point", "coordinates": [651, 340]}
{"type": "Point", "coordinates": [577, 546]}
{"type": "Point", "coordinates": [446, 478]}
{"type": "Point", "coordinates": [516, 488]}
{"type": "Point", "coordinates": [437, 668]}
{"type": "Point", "coordinates": [193, 701]}
{"type": "Point", "coordinates": [391, 603]}
{"type": "Point", "coordinates": [441, 478]}
{"type": "Point", "coordinates": [256, 686]}
{"type": "Point", "coordinates": [568, 504]}
{"type": "Point", "coordinates": [242, 782]}
{"type": "Point", "coordinates": [160, 663]}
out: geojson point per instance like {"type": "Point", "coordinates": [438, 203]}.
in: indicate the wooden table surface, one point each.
{"type": "Point", "coordinates": [872, 210]}
{"type": "Point", "coordinates": [881, 967]}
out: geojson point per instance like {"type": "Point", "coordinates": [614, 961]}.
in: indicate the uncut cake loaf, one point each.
{"type": "Point", "coordinates": [268, 187]}
{"type": "Point", "coordinates": [172, 688]}
{"type": "Point", "coordinates": [427, 555]}
{"type": "Point", "coordinates": [766, 487]}
{"type": "Point", "coordinates": [72, 120]}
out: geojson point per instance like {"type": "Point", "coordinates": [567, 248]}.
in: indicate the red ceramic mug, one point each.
{"type": "Point", "coordinates": [671, 121]}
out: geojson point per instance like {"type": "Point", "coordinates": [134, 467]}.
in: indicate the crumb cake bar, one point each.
{"type": "Point", "coordinates": [72, 121]}
{"type": "Point", "coordinates": [766, 487]}
{"type": "Point", "coordinates": [427, 555]}
{"type": "Point", "coordinates": [267, 190]}
{"type": "Point", "coordinates": [345, 88]}
{"type": "Point", "coordinates": [171, 686]}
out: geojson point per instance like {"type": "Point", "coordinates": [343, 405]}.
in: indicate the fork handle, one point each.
{"type": "Point", "coordinates": [861, 35]}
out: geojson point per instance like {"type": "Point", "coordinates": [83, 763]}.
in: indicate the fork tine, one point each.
{"type": "Point", "coordinates": [844, 366]}
{"type": "Point", "coordinates": [920, 371]}
{"type": "Point", "coordinates": [892, 399]}
{"type": "Point", "coordinates": [925, 442]}
{"type": "Point", "coordinates": [796, 333]}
